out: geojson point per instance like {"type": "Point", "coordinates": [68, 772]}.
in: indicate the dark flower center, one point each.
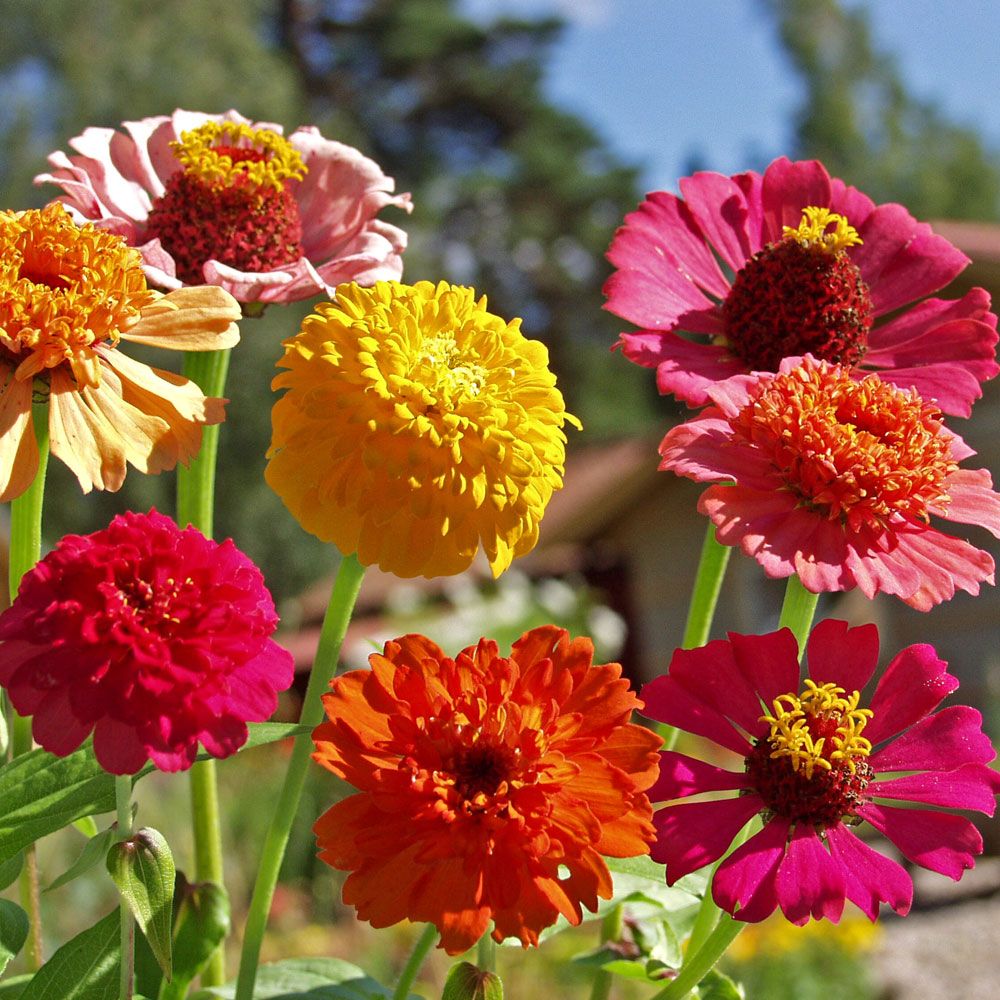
{"type": "Point", "coordinates": [482, 769]}
{"type": "Point", "coordinates": [800, 294]}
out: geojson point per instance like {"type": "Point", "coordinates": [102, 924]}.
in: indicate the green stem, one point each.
{"type": "Point", "coordinates": [486, 953]}
{"type": "Point", "coordinates": [25, 551]}
{"type": "Point", "coordinates": [123, 804]}
{"type": "Point", "coordinates": [797, 610]}
{"type": "Point", "coordinates": [702, 962]}
{"type": "Point", "coordinates": [338, 614]}
{"type": "Point", "coordinates": [415, 962]}
{"type": "Point", "coordinates": [611, 930]}
{"type": "Point", "coordinates": [196, 505]}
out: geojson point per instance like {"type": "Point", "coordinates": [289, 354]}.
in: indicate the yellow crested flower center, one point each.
{"type": "Point", "coordinates": [814, 230]}
{"type": "Point", "coordinates": [64, 290]}
{"type": "Point", "coordinates": [445, 371]}
{"type": "Point", "coordinates": [221, 154]}
{"type": "Point", "coordinates": [819, 728]}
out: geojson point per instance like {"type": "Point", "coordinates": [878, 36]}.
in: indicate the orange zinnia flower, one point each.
{"type": "Point", "coordinates": [68, 294]}
{"type": "Point", "coordinates": [489, 786]}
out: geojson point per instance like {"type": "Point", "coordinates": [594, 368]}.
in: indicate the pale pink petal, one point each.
{"type": "Point", "coordinates": [972, 786]}
{"type": "Point", "coordinates": [841, 655]}
{"type": "Point", "coordinates": [744, 883]}
{"type": "Point", "coordinates": [694, 834]}
{"type": "Point", "coordinates": [870, 878]}
{"type": "Point", "coordinates": [910, 688]}
{"type": "Point", "coordinates": [939, 742]}
{"type": "Point", "coordinates": [701, 449]}
{"type": "Point", "coordinates": [809, 883]}
{"type": "Point", "coordinates": [940, 841]}
{"type": "Point", "coordinates": [681, 776]}
{"type": "Point", "coordinates": [972, 500]}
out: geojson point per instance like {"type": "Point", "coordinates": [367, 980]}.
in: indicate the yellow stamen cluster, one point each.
{"type": "Point", "coordinates": [812, 231]}
{"type": "Point", "coordinates": [819, 708]}
{"type": "Point", "coordinates": [65, 289]}
{"type": "Point", "coordinates": [203, 152]}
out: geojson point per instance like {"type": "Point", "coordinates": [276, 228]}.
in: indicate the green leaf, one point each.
{"type": "Point", "coordinates": [13, 931]}
{"type": "Point", "coordinates": [85, 968]}
{"type": "Point", "coordinates": [307, 979]}
{"type": "Point", "coordinates": [467, 982]}
{"type": "Point", "coordinates": [41, 793]}
{"type": "Point", "coordinates": [11, 989]}
{"type": "Point", "coordinates": [86, 825]}
{"type": "Point", "coordinates": [718, 986]}
{"type": "Point", "coordinates": [201, 922]}
{"type": "Point", "coordinates": [10, 869]}
{"type": "Point", "coordinates": [143, 869]}
{"type": "Point", "coordinates": [93, 853]}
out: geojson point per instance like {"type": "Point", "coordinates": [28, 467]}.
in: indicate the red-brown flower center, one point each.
{"type": "Point", "coordinates": [799, 295]}
{"type": "Point", "coordinates": [812, 767]}
{"type": "Point", "coordinates": [482, 769]}
{"type": "Point", "coordinates": [231, 202]}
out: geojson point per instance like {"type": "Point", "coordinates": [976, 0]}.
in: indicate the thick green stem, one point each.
{"type": "Point", "coordinates": [123, 804]}
{"type": "Point", "coordinates": [25, 551]}
{"type": "Point", "coordinates": [486, 953]}
{"type": "Point", "coordinates": [611, 930]}
{"type": "Point", "coordinates": [797, 610]}
{"type": "Point", "coordinates": [415, 962]}
{"type": "Point", "coordinates": [703, 961]}
{"type": "Point", "coordinates": [196, 505]}
{"type": "Point", "coordinates": [338, 614]}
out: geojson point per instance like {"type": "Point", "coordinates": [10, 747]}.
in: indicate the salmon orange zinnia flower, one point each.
{"type": "Point", "coordinates": [68, 294]}
{"type": "Point", "coordinates": [415, 427]}
{"type": "Point", "coordinates": [221, 200]}
{"type": "Point", "coordinates": [489, 786]}
{"type": "Point", "coordinates": [836, 480]}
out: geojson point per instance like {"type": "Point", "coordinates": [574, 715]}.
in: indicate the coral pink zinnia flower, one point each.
{"type": "Point", "coordinates": [489, 786]}
{"type": "Point", "coordinates": [845, 294]}
{"type": "Point", "coordinates": [835, 480]}
{"type": "Point", "coordinates": [815, 765]}
{"type": "Point", "coordinates": [152, 637]}
{"type": "Point", "coordinates": [217, 199]}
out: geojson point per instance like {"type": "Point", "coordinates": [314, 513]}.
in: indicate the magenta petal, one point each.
{"type": "Point", "coordinates": [681, 776]}
{"type": "Point", "coordinates": [54, 724]}
{"type": "Point", "coordinates": [769, 662]}
{"type": "Point", "coordinates": [788, 188]}
{"type": "Point", "coordinates": [694, 834]}
{"type": "Point", "coordinates": [118, 748]}
{"type": "Point", "coordinates": [666, 701]}
{"type": "Point", "coordinates": [683, 367]}
{"type": "Point", "coordinates": [972, 786]}
{"type": "Point", "coordinates": [913, 325]}
{"type": "Point", "coordinates": [809, 883]}
{"type": "Point", "coordinates": [870, 878]}
{"type": "Point", "coordinates": [840, 655]}
{"type": "Point", "coordinates": [940, 841]}
{"type": "Point", "coordinates": [912, 686]}
{"type": "Point", "coordinates": [941, 742]}
{"type": "Point", "coordinates": [744, 884]}
{"type": "Point", "coordinates": [719, 207]}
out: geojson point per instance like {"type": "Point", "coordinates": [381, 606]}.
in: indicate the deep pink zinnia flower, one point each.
{"type": "Point", "coordinates": [809, 265]}
{"type": "Point", "coordinates": [218, 200]}
{"type": "Point", "coordinates": [153, 637]}
{"type": "Point", "coordinates": [815, 765]}
{"type": "Point", "coordinates": [836, 480]}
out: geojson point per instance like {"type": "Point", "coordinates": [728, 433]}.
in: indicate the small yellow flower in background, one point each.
{"type": "Point", "coordinates": [416, 427]}
{"type": "Point", "coordinates": [854, 935]}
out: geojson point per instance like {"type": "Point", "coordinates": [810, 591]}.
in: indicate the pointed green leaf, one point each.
{"type": "Point", "coordinates": [41, 793]}
{"type": "Point", "coordinates": [201, 922]}
{"type": "Point", "coordinates": [10, 869]}
{"type": "Point", "coordinates": [143, 869]}
{"type": "Point", "coordinates": [93, 853]}
{"type": "Point", "coordinates": [467, 982]}
{"type": "Point", "coordinates": [86, 825]}
{"type": "Point", "coordinates": [13, 931]}
{"type": "Point", "coordinates": [307, 979]}
{"type": "Point", "coordinates": [85, 968]}
{"type": "Point", "coordinates": [718, 986]}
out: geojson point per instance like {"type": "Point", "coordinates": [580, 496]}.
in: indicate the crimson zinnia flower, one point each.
{"type": "Point", "coordinates": [815, 764]}
{"type": "Point", "coordinates": [151, 637]}
{"type": "Point", "coordinates": [836, 480]}
{"type": "Point", "coordinates": [220, 200]}
{"type": "Point", "coordinates": [489, 786]}
{"type": "Point", "coordinates": [808, 265]}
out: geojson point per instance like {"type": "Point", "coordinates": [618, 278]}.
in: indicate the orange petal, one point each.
{"type": "Point", "coordinates": [18, 447]}
{"type": "Point", "coordinates": [189, 319]}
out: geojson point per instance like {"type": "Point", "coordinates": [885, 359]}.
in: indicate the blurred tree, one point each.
{"type": "Point", "coordinates": [858, 118]}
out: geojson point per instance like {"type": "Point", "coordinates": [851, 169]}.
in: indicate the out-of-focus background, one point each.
{"type": "Point", "coordinates": [525, 130]}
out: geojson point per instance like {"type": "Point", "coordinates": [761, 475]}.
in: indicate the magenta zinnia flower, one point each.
{"type": "Point", "coordinates": [809, 265]}
{"type": "Point", "coordinates": [815, 765]}
{"type": "Point", "coordinates": [216, 199]}
{"type": "Point", "coordinates": [836, 480]}
{"type": "Point", "coordinates": [153, 638]}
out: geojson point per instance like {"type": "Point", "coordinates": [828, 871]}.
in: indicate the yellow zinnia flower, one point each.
{"type": "Point", "coordinates": [417, 426]}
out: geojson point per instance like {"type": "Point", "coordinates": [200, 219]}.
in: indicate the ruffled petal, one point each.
{"type": "Point", "coordinates": [719, 208]}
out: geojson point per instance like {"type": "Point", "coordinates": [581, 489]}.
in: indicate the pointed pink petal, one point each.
{"type": "Point", "coordinates": [940, 742]}
{"type": "Point", "coordinates": [666, 701]}
{"type": "Point", "coordinates": [841, 655]}
{"type": "Point", "coordinates": [744, 884]}
{"type": "Point", "coordinates": [912, 326]}
{"type": "Point", "coordinates": [681, 776]}
{"type": "Point", "coordinates": [684, 368]}
{"type": "Point", "coordinates": [972, 786]}
{"type": "Point", "coordinates": [940, 841]}
{"type": "Point", "coordinates": [973, 500]}
{"type": "Point", "coordinates": [870, 878]}
{"type": "Point", "coordinates": [809, 883]}
{"type": "Point", "coordinates": [694, 834]}
{"type": "Point", "coordinates": [719, 208]}
{"type": "Point", "coordinates": [951, 386]}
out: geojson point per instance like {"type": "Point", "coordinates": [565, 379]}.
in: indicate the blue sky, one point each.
{"type": "Point", "coordinates": [662, 80]}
